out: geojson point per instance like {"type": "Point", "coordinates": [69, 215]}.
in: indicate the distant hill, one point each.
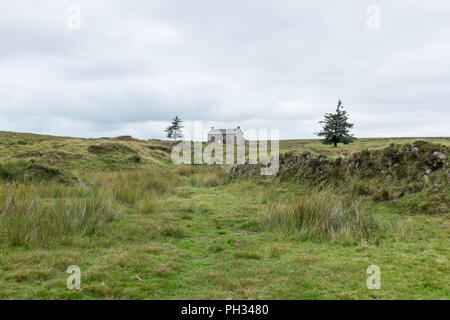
{"type": "Point", "coordinates": [83, 154]}
{"type": "Point", "coordinates": [108, 154]}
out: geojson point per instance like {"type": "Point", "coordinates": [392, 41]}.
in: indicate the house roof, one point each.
{"type": "Point", "coordinates": [223, 131]}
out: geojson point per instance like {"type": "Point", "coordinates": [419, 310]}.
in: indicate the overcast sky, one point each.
{"type": "Point", "coordinates": [133, 65]}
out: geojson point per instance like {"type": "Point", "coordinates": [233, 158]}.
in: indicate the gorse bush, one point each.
{"type": "Point", "coordinates": [29, 217]}
{"type": "Point", "coordinates": [321, 216]}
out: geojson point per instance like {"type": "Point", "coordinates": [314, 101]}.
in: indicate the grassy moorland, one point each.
{"type": "Point", "coordinates": [140, 227]}
{"type": "Point", "coordinates": [317, 148]}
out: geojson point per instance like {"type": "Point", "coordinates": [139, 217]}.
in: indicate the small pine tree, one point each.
{"type": "Point", "coordinates": [336, 127]}
{"type": "Point", "coordinates": [174, 130]}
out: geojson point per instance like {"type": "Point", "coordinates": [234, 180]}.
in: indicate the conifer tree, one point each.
{"type": "Point", "coordinates": [174, 130]}
{"type": "Point", "coordinates": [336, 127]}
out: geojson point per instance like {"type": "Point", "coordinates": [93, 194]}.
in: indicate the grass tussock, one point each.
{"type": "Point", "coordinates": [141, 187]}
{"type": "Point", "coordinates": [28, 216]}
{"type": "Point", "coordinates": [212, 176]}
{"type": "Point", "coordinates": [322, 216]}
{"type": "Point", "coordinates": [150, 203]}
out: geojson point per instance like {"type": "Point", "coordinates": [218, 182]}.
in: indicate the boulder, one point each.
{"type": "Point", "coordinates": [439, 155]}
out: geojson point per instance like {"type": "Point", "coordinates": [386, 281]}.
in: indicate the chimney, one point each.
{"type": "Point", "coordinates": [212, 128]}
{"type": "Point", "coordinates": [238, 127]}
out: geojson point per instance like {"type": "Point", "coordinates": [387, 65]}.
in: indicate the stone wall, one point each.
{"type": "Point", "coordinates": [408, 162]}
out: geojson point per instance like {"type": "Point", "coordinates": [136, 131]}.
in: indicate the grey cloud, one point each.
{"type": "Point", "coordinates": [278, 64]}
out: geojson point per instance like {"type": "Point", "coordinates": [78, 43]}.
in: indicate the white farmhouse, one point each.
{"type": "Point", "coordinates": [226, 136]}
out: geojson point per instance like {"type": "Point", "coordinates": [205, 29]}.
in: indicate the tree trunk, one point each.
{"type": "Point", "coordinates": [335, 145]}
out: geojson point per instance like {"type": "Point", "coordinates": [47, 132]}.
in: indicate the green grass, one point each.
{"type": "Point", "coordinates": [323, 216]}
{"type": "Point", "coordinates": [45, 215]}
{"type": "Point", "coordinates": [317, 148]}
{"type": "Point", "coordinates": [80, 155]}
{"type": "Point", "coordinates": [153, 230]}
